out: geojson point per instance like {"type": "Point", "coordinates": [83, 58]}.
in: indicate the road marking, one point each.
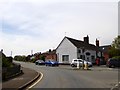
{"type": "Point", "coordinates": [36, 82]}
{"type": "Point", "coordinates": [116, 86]}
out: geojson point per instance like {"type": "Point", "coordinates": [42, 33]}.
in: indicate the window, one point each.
{"type": "Point", "coordinates": [65, 58]}
{"type": "Point", "coordinates": [92, 57]}
{"type": "Point", "coordinates": [87, 58]}
{"type": "Point", "coordinates": [87, 53]}
{"type": "Point", "coordinates": [82, 57]}
{"type": "Point", "coordinates": [75, 60]}
{"type": "Point", "coordinates": [79, 51]}
{"type": "Point", "coordinates": [79, 60]}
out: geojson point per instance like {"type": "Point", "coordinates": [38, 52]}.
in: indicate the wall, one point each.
{"type": "Point", "coordinates": [92, 53]}
{"type": "Point", "coordinates": [51, 56]}
{"type": "Point", "coordinates": [66, 48]}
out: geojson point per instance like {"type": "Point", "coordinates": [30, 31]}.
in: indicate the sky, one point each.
{"type": "Point", "coordinates": [40, 25]}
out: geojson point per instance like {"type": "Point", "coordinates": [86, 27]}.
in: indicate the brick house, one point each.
{"type": "Point", "coordinates": [50, 55]}
{"type": "Point", "coordinates": [104, 50]}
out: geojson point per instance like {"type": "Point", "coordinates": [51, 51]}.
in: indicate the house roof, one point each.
{"type": "Point", "coordinates": [105, 48]}
{"type": "Point", "coordinates": [50, 52]}
{"type": "Point", "coordinates": [82, 44]}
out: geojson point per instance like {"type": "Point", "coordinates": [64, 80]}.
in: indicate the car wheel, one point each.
{"type": "Point", "coordinates": [109, 66]}
{"type": "Point", "coordinates": [113, 66]}
{"type": "Point", "coordinates": [72, 65]}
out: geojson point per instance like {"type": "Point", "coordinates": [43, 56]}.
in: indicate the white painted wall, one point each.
{"type": "Point", "coordinates": [66, 48]}
{"type": "Point", "coordinates": [92, 53]}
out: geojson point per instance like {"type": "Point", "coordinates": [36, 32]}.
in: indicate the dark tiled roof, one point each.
{"type": "Point", "coordinates": [82, 44]}
{"type": "Point", "coordinates": [105, 48]}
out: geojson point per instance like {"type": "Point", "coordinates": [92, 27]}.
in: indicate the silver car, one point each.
{"type": "Point", "coordinates": [39, 62]}
{"type": "Point", "coordinates": [80, 61]}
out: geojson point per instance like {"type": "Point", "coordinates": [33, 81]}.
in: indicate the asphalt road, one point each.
{"type": "Point", "coordinates": [66, 77]}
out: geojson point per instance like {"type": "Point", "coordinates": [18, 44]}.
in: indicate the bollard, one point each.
{"type": "Point", "coordinates": [86, 66]}
{"type": "Point", "coordinates": [83, 65]}
{"type": "Point", "coordinates": [78, 65]}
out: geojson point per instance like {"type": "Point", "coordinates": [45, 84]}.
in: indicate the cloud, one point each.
{"type": "Point", "coordinates": [28, 25]}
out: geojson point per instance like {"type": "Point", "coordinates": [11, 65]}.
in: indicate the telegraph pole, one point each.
{"type": "Point", "coordinates": [11, 54]}
{"type": "Point", "coordinates": [65, 33]}
{"type": "Point", "coordinates": [31, 52]}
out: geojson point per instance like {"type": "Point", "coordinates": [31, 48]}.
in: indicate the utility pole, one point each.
{"type": "Point", "coordinates": [65, 33]}
{"type": "Point", "coordinates": [31, 52]}
{"type": "Point", "coordinates": [11, 54]}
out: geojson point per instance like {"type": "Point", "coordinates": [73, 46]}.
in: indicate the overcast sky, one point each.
{"type": "Point", "coordinates": [40, 25]}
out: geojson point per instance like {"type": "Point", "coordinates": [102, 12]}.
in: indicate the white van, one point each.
{"type": "Point", "coordinates": [80, 61]}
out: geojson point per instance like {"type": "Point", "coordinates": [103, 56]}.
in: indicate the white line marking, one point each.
{"type": "Point", "coordinates": [115, 86]}
{"type": "Point", "coordinates": [36, 82]}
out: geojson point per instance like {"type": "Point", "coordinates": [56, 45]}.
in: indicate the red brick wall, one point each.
{"type": "Point", "coordinates": [106, 56]}
{"type": "Point", "coordinates": [51, 56]}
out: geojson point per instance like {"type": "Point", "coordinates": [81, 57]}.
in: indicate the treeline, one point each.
{"type": "Point", "coordinates": [28, 58]}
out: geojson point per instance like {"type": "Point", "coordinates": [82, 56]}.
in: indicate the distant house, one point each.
{"type": "Point", "coordinates": [105, 50]}
{"type": "Point", "coordinates": [50, 55]}
{"type": "Point", "coordinates": [70, 49]}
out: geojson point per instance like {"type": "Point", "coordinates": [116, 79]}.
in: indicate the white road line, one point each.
{"type": "Point", "coordinates": [36, 82]}
{"type": "Point", "coordinates": [115, 86]}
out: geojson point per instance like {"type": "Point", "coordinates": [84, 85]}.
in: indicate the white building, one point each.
{"type": "Point", "coordinates": [70, 49]}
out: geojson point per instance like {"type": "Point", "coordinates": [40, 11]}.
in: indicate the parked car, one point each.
{"type": "Point", "coordinates": [80, 61]}
{"type": "Point", "coordinates": [112, 63]}
{"type": "Point", "coordinates": [40, 62]}
{"type": "Point", "coordinates": [51, 63]}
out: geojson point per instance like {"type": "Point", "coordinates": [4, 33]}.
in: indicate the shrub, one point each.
{"type": "Point", "coordinates": [6, 61]}
{"type": "Point", "coordinates": [117, 57]}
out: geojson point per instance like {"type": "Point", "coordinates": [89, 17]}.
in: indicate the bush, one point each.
{"type": "Point", "coordinates": [117, 57]}
{"type": "Point", "coordinates": [33, 60]}
{"type": "Point", "coordinates": [6, 61]}
{"type": "Point", "coordinates": [20, 58]}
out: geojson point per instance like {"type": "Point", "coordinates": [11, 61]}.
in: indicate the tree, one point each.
{"type": "Point", "coordinates": [20, 58]}
{"type": "Point", "coordinates": [6, 61]}
{"type": "Point", "coordinates": [114, 52]}
{"type": "Point", "coordinates": [115, 49]}
{"type": "Point", "coordinates": [116, 42]}
{"type": "Point", "coordinates": [42, 57]}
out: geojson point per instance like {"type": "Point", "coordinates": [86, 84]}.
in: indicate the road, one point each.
{"type": "Point", "coordinates": [66, 77]}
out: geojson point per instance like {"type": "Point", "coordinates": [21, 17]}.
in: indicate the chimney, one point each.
{"type": "Point", "coordinates": [97, 43]}
{"type": "Point", "coordinates": [1, 50]}
{"type": "Point", "coordinates": [49, 50]}
{"type": "Point", "coordinates": [86, 39]}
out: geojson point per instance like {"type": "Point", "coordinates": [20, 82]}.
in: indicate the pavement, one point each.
{"type": "Point", "coordinates": [21, 81]}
